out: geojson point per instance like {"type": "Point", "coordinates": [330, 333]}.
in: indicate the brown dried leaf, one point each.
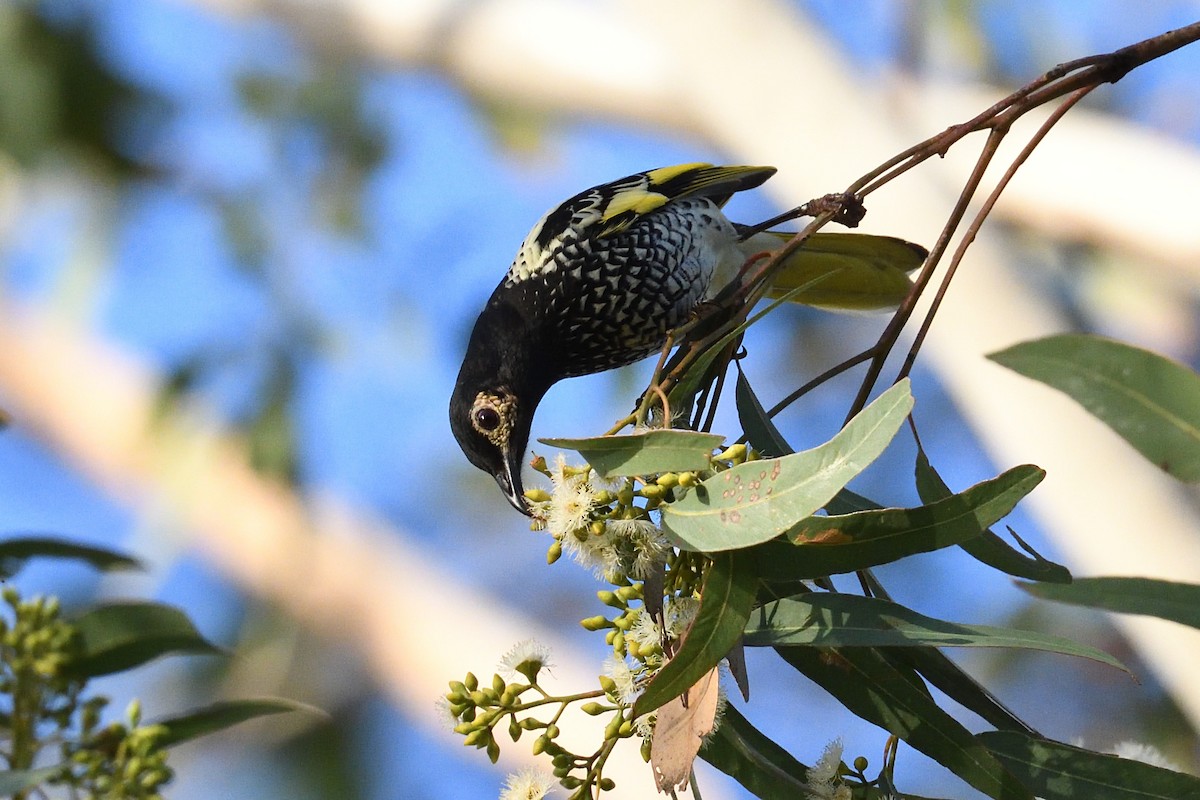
{"type": "Point", "coordinates": [680, 730]}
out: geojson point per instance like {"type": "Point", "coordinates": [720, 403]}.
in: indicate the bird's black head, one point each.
{"type": "Point", "coordinates": [497, 391]}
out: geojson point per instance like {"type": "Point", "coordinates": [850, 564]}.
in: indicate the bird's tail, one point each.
{"type": "Point", "coordinates": [842, 271]}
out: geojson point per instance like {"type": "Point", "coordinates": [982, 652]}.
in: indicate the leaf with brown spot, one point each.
{"type": "Point", "coordinates": [758, 500]}
{"type": "Point", "coordinates": [682, 725]}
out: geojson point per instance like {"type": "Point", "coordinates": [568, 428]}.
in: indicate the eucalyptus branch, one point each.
{"type": "Point", "coordinates": [1074, 80]}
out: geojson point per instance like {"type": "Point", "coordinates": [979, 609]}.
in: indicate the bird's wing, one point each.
{"type": "Point", "coordinates": [612, 207]}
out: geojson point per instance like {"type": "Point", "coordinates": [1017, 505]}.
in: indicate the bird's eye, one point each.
{"type": "Point", "coordinates": [487, 419]}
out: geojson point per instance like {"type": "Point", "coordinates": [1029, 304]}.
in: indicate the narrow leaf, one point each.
{"type": "Point", "coordinates": [833, 619]}
{"type": "Point", "coordinates": [848, 271]}
{"type": "Point", "coordinates": [725, 601]}
{"type": "Point", "coordinates": [1149, 400]}
{"type": "Point", "coordinates": [743, 752]}
{"type": "Point", "coordinates": [834, 545]}
{"type": "Point", "coordinates": [14, 553]}
{"type": "Point", "coordinates": [13, 781]}
{"type": "Point", "coordinates": [1178, 602]}
{"type": "Point", "coordinates": [759, 428]}
{"type": "Point", "coordinates": [1057, 771]}
{"type": "Point", "coordinates": [987, 547]}
{"type": "Point", "coordinates": [667, 450]}
{"type": "Point", "coordinates": [119, 636]}
{"type": "Point", "coordinates": [937, 668]}
{"type": "Point", "coordinates": [219, 716]}
{"type": "Point", "coordinates": [866, 684]}
{"type": "Point", "coordinates": [759, 500]}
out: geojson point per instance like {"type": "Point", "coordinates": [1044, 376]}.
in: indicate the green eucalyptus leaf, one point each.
{"type": "Point", "coordinates": [759, 428]}
{"type": "Point", "coordinates": [14, 553]}
{"type": "Point", "coordinates": [819, 546]}
{"type": "Point", "coordinates": [848, 271]}
{"type": "Point", "coordinates": [1151, 401]}
{"type": "Point", "coordinates": [725, 602]}
{"type": "Point", "coordinates": [666, 450]}
{"type": "Point", "coordinates": [13, 781]}
{"type": "Point", "coordinates": [833, 619]}
{"type": "Point", "coordinates": [951, 679]}
{"type": "Point", "coordinates": [219, 716]}
{"type": "Point", "coordinates": [759, 500]}
{"type": "Point", "coordinates": [744, 753]}
{"type": "Point", "coordinates": [120, 636]}
{"type": "Point", "coordinates": [987, 547]}
{"type": "Point", "coordinates": [1057, 771]}
{"type": "Point", "coordinates": [1178, 602]}
{"type": "Point", "coordinates": [869, 686]}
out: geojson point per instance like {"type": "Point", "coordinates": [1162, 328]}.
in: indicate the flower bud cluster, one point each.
{"type": "Point", "coordinates": [125, 760]}
{"type": "Point", "coordinates": [607, 525]}
{"type": "Point", "coordinates": [37, 648]}
{"type": "Point", "coordinates": [36, 645]}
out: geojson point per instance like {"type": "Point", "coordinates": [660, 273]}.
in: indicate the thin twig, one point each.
{"type": "Point", "coordinates": [973, 229]}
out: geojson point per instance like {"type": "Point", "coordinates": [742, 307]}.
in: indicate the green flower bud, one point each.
{"type": "Point", "coordinates": [476, 737]}
{"type": "Point", "coordinates": [653, 491]}
{"type": "Point", "coordinates": [531, 724]}
{"type": "Point", "coordinates": [539, 744]}
{"type": "Point", "coordinates": [625, 495]}
{"type": "Point", "coordinates": [554, 552]}
{"type": "Point", "coordinates": [645, 750]}
{"type": "Point", "coordinates": [493, 750]}
{"type": "Point", "coordinates": [497, 685]}
{"type": "Point", "coordinates": [607, 784]}
{"type": "Point", "coordinates": [626, 728]}
{"type": "Point", "coordinates": [552, 731]}
{"type": "Point", "coordinates": [471, 682]}
{"type": "Point", "coordinates": [607, 684]}
{"type": "Point", "coordinates": [735, 453]}
{"type": "Point", "coordinates": [613, 726]}
{"type": "Point", "coordinates": [618, 643]}
{"type": "Point", "coordinates": [632, 592]}
{"type": "Point", "coordinates": [571, 782]}
{"type": "Point", "coordinates": [596, 623]}
{"type": "Point", "coordinates": [861, 763]}
{"type": "Point", "coordinates": [134, 713]}
{"type": "Point", "coordinates": [537, 495]}
{"type": "Point", "coordinates": [514, 730]}
{"type": "Point", "coordinates": [594, 708]}
{"type": "Point", "coordinates": [610, 598]}
{"type": "Point", "coordinates": [668, 479]}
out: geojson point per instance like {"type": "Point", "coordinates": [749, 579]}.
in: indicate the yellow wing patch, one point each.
{"type": "Point", "coordinates": [635, 198]}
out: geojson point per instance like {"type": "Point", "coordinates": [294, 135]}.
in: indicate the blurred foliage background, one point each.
{"type": "Point", "coordinates": [297, 235]}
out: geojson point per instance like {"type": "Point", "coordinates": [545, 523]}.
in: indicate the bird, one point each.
{"type": "Point", "coordinates": [599, 282]}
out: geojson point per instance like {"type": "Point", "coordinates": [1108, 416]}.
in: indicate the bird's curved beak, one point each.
{"type": "Point", "coordinates": [510, 483]}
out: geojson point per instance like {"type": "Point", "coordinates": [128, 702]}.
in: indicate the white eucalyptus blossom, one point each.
{"type": "Point", "coordinates": [823, 781]}
{"type": "Point", "coordinates": [528, 784]}
{"type": "Point", "coordinates": [625, 681]}
{"type": "Point", "coordinates": [526, 657]}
